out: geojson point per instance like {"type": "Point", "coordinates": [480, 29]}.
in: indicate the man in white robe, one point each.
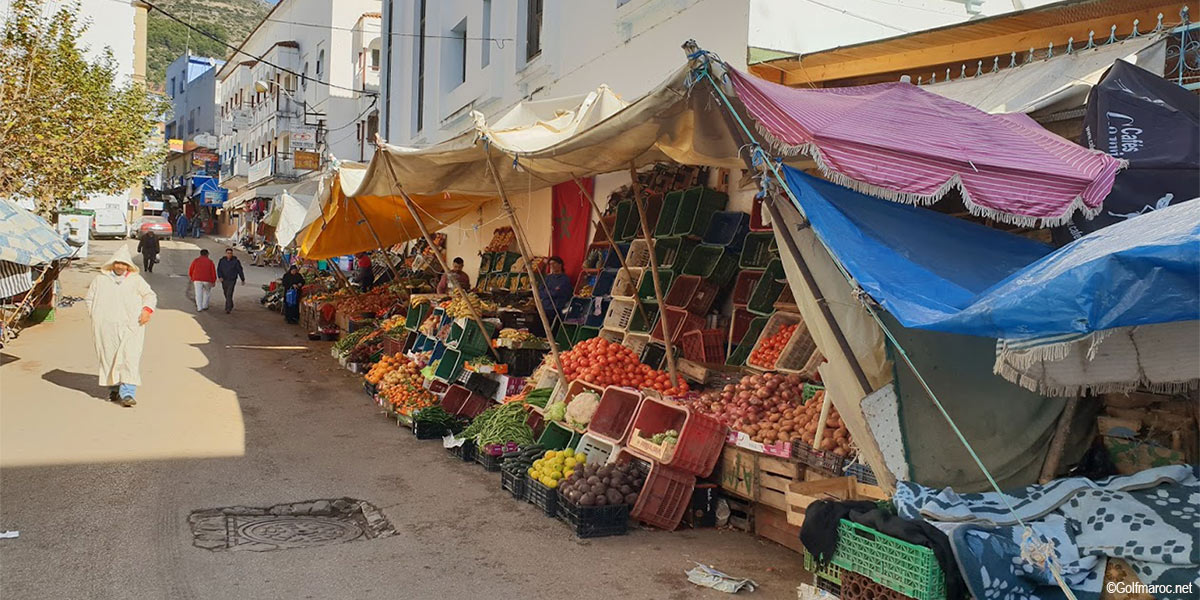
{"type": "Point", "coordinates": [120, 303]}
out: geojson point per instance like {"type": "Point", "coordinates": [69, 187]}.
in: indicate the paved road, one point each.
{"type": "Point", "coordinates": [101, 494]}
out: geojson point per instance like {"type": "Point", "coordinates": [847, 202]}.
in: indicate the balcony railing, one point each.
{"type": "Point", "coordinates": [238, 167]}
{"type": "Point", "coordinates": [276, 166]}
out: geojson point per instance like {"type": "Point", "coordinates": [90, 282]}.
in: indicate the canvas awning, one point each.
{"type": "Point", "coordinates": [27, 239]}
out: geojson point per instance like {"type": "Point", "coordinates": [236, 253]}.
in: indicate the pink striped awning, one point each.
{"type": "Point", "coordinates": [899, 142]}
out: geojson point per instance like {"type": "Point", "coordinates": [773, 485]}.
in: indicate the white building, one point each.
{"type": "Point", "coordinates": [191, 84]}
{"type": "Point", "coordinates": [314, 90]}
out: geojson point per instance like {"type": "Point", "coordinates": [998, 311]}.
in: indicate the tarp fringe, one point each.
{"type": "Point", "coordinates": [814, 152]}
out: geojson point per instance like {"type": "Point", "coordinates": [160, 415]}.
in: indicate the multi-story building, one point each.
{"type": "Point", "coordinates": [301, 89]}
{"type": "Point", "coordinates": [191, 85]}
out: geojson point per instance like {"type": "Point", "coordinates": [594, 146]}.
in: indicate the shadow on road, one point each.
{"type": "Point", "coordinates": [80, 382]}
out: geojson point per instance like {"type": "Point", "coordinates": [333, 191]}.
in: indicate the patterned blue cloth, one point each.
{"type": "Point", "coordinates": [1151, 519]}
{"type": "Point", "coordinates": [27, 239]}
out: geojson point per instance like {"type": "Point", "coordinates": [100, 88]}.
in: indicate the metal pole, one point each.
{"type": "Point", "coordinates": [613, 243]}
{"type": "Point", "coordinates": [658, 293]}
{"type": "Point", "coordinates": [527, 255]}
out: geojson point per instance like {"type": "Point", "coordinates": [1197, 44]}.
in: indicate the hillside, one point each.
{"type": "Point", "coordinates": [228, 20]}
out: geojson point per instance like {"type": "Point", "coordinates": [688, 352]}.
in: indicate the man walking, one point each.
{"type": "Point", "coordinates": [120, 303]}
{"type": "Point", "coordinates": [148, 247]}
{"type": "Point", "coordinates": [203, 275]}
{"type": "Point", "coordinates": [181, 225]}
{"type": "Point", "coordinates": [229, 270]}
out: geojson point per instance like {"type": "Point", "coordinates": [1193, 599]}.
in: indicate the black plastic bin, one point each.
{"type": "Point", "coordinates": [465, 452]}
{"type": "Point", "coordinates": [594, 521]}
{"type": "Point", "coordinates": [522, 362]}
{"type": "Point", "coordinates": [513, 482]}
{"type": "Point", "coordinates": [482, 384]}
{"type": "Point", "coordinates": [541, 496]}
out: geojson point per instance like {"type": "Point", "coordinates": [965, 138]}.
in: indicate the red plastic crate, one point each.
{"type": "Point", "coordinates": [693, 293]}
{"type": "Point", "coordinates": [743, 286]}
{"type": "Point", "coordinates": [740, 325]}
{"type": "Point", "coordinates": [613, 416]}
{"type": "Point", "coordinates": [704, 345]}
{"type": "Point", "coordinates": [454, 399]}
{"type": "Point", "coordinates": [678, 321]}
{"type": "Point", "coordinates": [536, 421]}
{"type": "Point", "coordinates": [474, 405]}
{"type": "Point", "coordinates": [700, 437]}
{"type": "Point", "coordinates": [664, 497]}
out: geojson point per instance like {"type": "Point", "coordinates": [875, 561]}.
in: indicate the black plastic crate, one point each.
{"type": "Point", "coordinates": [425, 430]}
{"type": "Point", "coordinates": [465, 452]}
{"type": "Point", "coordinates": [522, 362]}
{"type": "Point", "coordinates": [370, 389]}
{"type": "Point", "coordinates": [594, 521]}
{"type": "Point", "coordinates": [541, 496]}
{"type": "Point", "coordinates": [482, 384]}
{"type": "Point", "coordinates": [489, 462]}
{"type": "Point", "coordinates": [513, 482]}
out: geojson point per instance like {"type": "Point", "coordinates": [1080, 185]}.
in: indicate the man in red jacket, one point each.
{"type": "Point", "coordinates": [203, 274]}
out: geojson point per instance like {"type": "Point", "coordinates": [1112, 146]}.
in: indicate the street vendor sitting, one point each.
{"type": "Point", "coordinates": [456, 271]}
{"type": "Point", "coordinates": [555, 288]}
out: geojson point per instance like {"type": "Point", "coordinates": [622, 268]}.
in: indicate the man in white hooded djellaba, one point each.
{"type": "Point", "coordinates": [120, 302]}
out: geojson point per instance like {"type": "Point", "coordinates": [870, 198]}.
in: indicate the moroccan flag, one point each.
{"type": "Point", "coordinates": [569, 237]}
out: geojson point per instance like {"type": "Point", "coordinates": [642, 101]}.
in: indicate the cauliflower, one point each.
{"type": "Point", "coordinates": [581, 408]}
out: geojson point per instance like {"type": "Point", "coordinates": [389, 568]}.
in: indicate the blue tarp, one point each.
{"type": "Point", "coordinates": [932, 271]}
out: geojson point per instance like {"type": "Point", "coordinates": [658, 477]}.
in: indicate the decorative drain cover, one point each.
{"type": "Point", "coordinates": [299, 525]}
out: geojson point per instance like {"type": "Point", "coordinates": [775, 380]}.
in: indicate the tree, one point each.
{"type": "Point", "coordinates": [68, 127]}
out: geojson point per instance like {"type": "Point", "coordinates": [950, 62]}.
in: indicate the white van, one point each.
{"type": "Point", "coordinates": [110, 223]}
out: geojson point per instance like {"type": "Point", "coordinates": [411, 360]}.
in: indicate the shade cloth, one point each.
{"type": "Point", "coordinates": [900, 142]}
{"type": "Point", "coordinates": [14, 279]}
{"type": "Point", "coordinates": [298, 209]}
{"type": "Point", "coordinates": [932, 271]}
{"type": "Point", "coordinates": [27, 239]}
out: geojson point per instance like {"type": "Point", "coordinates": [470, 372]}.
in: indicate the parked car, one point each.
{"type": "Point", "coordinates": [158, 225]}
{"type": "Point", "coordinates": [109, 223]}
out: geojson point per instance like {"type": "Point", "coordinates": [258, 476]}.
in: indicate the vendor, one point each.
{"type": "Point", "coordinates": [292, 282]}
{"type": "Point", "coordinates": [456, 271]}
{"type": "Point", "coordinates": [364, 274]}
{"type": "Point", "coordinates": [555, 288]}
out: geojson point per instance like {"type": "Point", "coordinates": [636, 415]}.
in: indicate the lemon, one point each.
{"type": "Point", "coordinates": [567, 474]}
{"type": "Point", "coordinates": [532, 473]}
{"type": "Point", "coordinates": [570, 463]}
{"type": "Point", "coordinates": [556, 475]}
{"type": "Point", "coordinates": [546, 481]}
{"type": "Point", "coordinates": [551, 454]}
{"type": "Point", "coordinates": [569, 452]}
{"type": "Point", "coordinates": [553, 484]}
{"type": "Point", "coordinates": [580, 458]}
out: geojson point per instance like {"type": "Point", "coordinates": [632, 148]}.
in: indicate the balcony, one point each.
{"type": "Point", "coordinates": [239, 167]}
{"type": "Point", "coordinates": [275, 167]}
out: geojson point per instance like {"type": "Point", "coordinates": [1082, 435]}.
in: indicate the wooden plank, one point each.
{"type": "Point", "coordinates": [738, 472]}
{"type": "Point", "coordinates": [771, 523]}
{"type": "Point", "coordinates": [801, 494]}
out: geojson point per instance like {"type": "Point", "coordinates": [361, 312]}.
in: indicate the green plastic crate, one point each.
{"type": "Point", "coordinates": [895, 564]}
{"type": "Point", "coordinates": [564, 335]}
{"type": "Point", "coordinates": [713, 263]}
{"type": "Point", "coordinates": [557, 437]}
{"type": "Point", "coordinates": [738, 356]}
{"type": "Point", "coordinates": [638, 324]}
{"type": "Point", "coordinates": [625, 228]}
{"type": "Point", "coordinates": [486, 260]}
{"type": "Point", "coordinates": [505, 261]}
{"type": "Point", "coordinates": [450, 366]}
{"type": "Point", "coordinates": [646, 288]}
{"type": "Point", "coordinates": [584, 333]}
{"type": "Point", "coordinates": [673, 253]}
{"type": "Point", "coordinates": [469, 340]}
{"type": "Point", "coordinates": [666, 216]}
{"type": "Point", "coordinates": [416, 315]}
{"type": "Point", "coordinates": [830, 572]}
{"type": "Point", "coordinates": [758, 250]}
{"type": "Point", "coordinates": [768, 289]}
{"type": "Point", "coordinates": [695, 211]}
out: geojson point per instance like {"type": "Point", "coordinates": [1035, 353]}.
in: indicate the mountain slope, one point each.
{"type": "Point", "coordinates": [228, 20]}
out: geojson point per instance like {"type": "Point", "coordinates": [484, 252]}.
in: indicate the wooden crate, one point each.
{"type": "Point", "coordinates": [741, 514]}
{"type": "Point", "coordinates": [800, 494]}
{"type": "Point", "coordinates": [773, 476]}
{"type": "Point", "coordinates": [772, 524]}
{"type": "Point", "coordinates": [738, 469]}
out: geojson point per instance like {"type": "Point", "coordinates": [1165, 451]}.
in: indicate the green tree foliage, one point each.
{"type": "Point", "coordinates": [68, 126]}
{"type": "Point", "coordinates": [166, 39]}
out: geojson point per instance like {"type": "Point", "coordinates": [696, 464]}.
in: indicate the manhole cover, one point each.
{"type": "Point", "coordinates": [298, 525]}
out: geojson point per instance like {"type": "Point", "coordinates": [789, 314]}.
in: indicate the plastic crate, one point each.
{"type": "Point", "coordinates": [474, 406]}
{"type": "Point", "coordinates": [861, 472]}
{"type": "Point", "coordinates": [584, 333]}
{"type": "Point", "coordinates": [450, 365]}
{"type": "Point", "coordinates": [576, 312]}
{"type": "Point", "coordinates": [612, 260]}
{"type": "Point", "coordinates": [666, 215]}
{"type": "Point", "coordinates": [469, 339]}
{"type": "Point", "coordinates": [666, 278]}
{"type": "Point", "coordinates": [612, 335]}
{"type": "Point", "coordinates": [627, 283]}
{"type": "Point", "coordinates": [664, 497]}
{"type": "Point", "coordinates": [776, 322]}
{"type": "Point", "coordinates": [604, 282]}
{"type": "Point", "coordinates": [594, 521]}
{"type": "Point", "coordinates": [620, 314]}
{"type": "Point", "coordinates": [673, 253]}
{"type": "Point", "coordinates": [829, 572]}
{"type": "Point", "coordinates": [513, 482]}
{"type": "Point", "coordinates": [653, 204]}
{"type": "Point", "coordinates": [558, 437]}
{"type": "Point", "coordinates": [678, 321]}
{"type": "Point", "coordinates": [564, 335]}
{"type": "Point", "coordinates": [895, 564]}
{"type": "Point", "coordinates": [586, 283]}
{"type": "Point", "coordinates": [696, 211]}
{"type": "Point", "coordinates": [505, 261]}
{"type": "Point", "coordinates": [653, 354]}
{"type": "Point", "coordinates": [541, 496]}
{"type": "Point", "coordinates": [416, 315]}
{"type": "Point", "coordinates": [490, 456]}
{"type": "Point", "coordinates": [636, 341]}
{"type": "Point", "coordinates": [598, 451]}
{"type": "Point", "coordinates": [625, 220]}
{"type": "Point", "coordinates": [486, 260]}
{"type": "Point", "coordinates": [743, 286]}
{"type": "Point", "coordinates": [713, 263]}
{"type": "Point", "coordinates": [700, 437]}
{"type": "Point", "coordinates": [597, 311]}
{"type": "Point", "coordinates": [424, 430]}
{"type": "Point", "coordinates": [464, 452]}
{"type": "Point", "coordinates": [800, 354]}
{"type": "Point", "coordinates": [728, 229]}
{"type": "Point", "coordinates": [482, 384]}
{"type": "Point", "coordinates": [823, 460]}
{"type": "Point", "coordinates": [767, 290]}
{"type": "Point", "coordinates": [595, 256]}
{"type": "Point", "coordinates": [522, 362]}
{"type": "Point", "coordinates": [703, 345]}
{"type": "Point", "coordinates": [614, 414]}
{"type": "Point", "coordinates": [740, 323]}
{"type": "Point", "coordinates": [758, 250]}
{"type": "Point", "coordinates": [643, 321]}
{"type": "Point", "coordinates": [692, 293]}
{"type": "Point", "coordinates": [639, 254]}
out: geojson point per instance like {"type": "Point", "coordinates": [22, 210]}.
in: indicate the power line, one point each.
{"type": "Point", "coordinates": [499, 41]}
{"type": "Point", "coordinates": [238, 50]}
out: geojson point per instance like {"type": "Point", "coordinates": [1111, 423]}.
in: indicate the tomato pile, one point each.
{"type": "Point", "coordinates": [766, 353]}
{"type": "Point", "coordinates": [600, 362]}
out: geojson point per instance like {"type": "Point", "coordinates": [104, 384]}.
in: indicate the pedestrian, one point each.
{"type": "Point", "coordinates": [456, 271]}
{"type": "Point", "coordinates": [120, 303]}
{"type": "Point", "coordinates": [292, 283]}
{"type": "Point", "coordinates": [203, 275]}
{"type": "Point", "coordinates": [229, 270]}
{"type": "Point", "coordinates": [149, 247]}
{"type": "Point", "coordinates": [181, 225]}
{"type": "Point", "coordinates": [555, 289]}
{"type": "Point", "coordinates": [364, 274]}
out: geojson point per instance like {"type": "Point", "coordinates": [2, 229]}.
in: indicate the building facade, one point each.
{"type": "Point", "coordinates": [191, 85]}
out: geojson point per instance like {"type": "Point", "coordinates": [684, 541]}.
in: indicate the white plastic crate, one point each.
{"type": "Point", "coordinates": [638, 254]}
{"type": "Point", "coordinates": [636, 342]}
{"type": "Point", "coordinates": [620, 314]}
{"type": "Point", "coordinates": [627, 283]}
{"type": "Point", "coordinates": [598, 451]}
{"type": "Point", "coordinates": [613, 335]}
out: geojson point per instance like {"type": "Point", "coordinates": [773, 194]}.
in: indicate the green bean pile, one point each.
{"type": "Point", "coordinates": [500, 424]}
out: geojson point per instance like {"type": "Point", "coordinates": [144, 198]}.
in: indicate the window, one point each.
{"type": "Point", "coordinates": [172, 88]}
{"type": "Point", "coordinates": [485, 56]}
{"type": "Point", "coordinates": [533, 30]}
{"type": "Point", "coordinates": [304, 77]}
{"type": "Point", "coordinates": [375, 58]}
{"type": "Point", "coordinates": [420, 108]}
{"type": "Point", "coordinates": [320, 62]}
{"type": "Point", "coordinates": [456, 57]}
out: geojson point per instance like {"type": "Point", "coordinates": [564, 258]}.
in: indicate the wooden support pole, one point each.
{"type": "Point", "coordinates": [612, 241]}
{"type": "Point", "coordinates": [378, 242]}
{"type": "Point", "coordinates": [527, 254]}
{"type": "Point", "coordinates": [826, 403]}
{"type": "Point", "coordinates": [658, 292]}
{"type": "Point", "coordinates": [453, 283]}
{"type": "Point", "coordinates": [1058, 443]}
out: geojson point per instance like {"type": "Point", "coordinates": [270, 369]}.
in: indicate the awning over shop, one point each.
{"type": "Point", "coordinates": [208, 191]}
{"type": "Point", "coordinates": [932, 271]}
{"type": "Point", "coordinates": [900, 142]}
{"type": "Point", "coordinates": [27, 239]}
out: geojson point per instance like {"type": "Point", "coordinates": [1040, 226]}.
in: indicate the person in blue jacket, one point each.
{"type": "Point", "coordinates": [181, 225]}
{"type": "Point", "coordinates": [555, 289]}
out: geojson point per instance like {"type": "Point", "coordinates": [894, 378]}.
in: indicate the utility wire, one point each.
{"type": "Point", "coordinates": [238, 50]}
{"type": "Point", "coordinates": [499, 41]}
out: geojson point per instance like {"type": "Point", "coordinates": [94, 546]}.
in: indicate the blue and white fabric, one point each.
{"type": "Point", "coordinates": [27, 239]}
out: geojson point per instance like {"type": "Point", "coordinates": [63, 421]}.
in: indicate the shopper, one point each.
{"type": "Point", "coordinates": [149, 247]}
{"type": "Point", "coordinates": [292, 283]}
{"type": "Point", "coordinates": [203, 275]}
{"type": "Point", "coordinates": [556, 289]}
{"type": "Point", "coordinates": [456, 271]}
{"type": "Point", "coordinates": [364, 273]}
{"type": "Point", "coordinates": [229, 270]}
{"type": "Point", "coordinates": [181, 225]}
{"type": "Point", "coordinates": [120, 303]}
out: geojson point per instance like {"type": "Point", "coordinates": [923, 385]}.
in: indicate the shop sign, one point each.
{"type": "Point", "coordinates": [309, 161]}
{"type": "Point", "coordinates": [261, 169]}
{"type": "Point", "coordinates": [216, 197]}
{"type": "Point", "coordinates": [303, 139]}
{"type": "Point", "coordinates": [242, 119]}
{"type": "Point", "coordinates": [175, 145]}
{"type": "Point", "coordinates": [152, 205]}
{"type": "Point", "coordinates": [205, 140]}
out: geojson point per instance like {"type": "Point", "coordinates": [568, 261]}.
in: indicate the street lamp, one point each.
{"type": "Point", "coordinates": [263, 86]}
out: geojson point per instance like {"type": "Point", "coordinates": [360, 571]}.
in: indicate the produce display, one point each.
{"type": "Point", "coordinates": [436, 418]}
{"type": "Point", "coordinates": [350, 340]}
{"type": "Point", "coordinates": [600, 362]}
{"type": "Point", "coordinates": [579, 412]}
{"type": "Point", "coordinates": [502, 240]}
{"type": "Point", "coordinates": [521, 461]}
{"type": "Point", "coordinates": [767, 352]}
{"type": "Point", "coordinates": [390, 323]}
{"type": "Point", "coordinates": [664, 439]}
{"type": "Point", "coordinates": [595, 485]}
{"type": "Point", "coordinates": [377, 302]}
{"type": "Point", "coordinates": [430, 325]}
{"type": "Point", "coordinates": [461, 305]}
{"type": "Point", "coordinates": [398, 381]}
{"type": "Point", "coordinates": [518, 335]}
{"type": "Point", "coordinates": [556, 465]}
{"type": "Point", "coordinates": [500, 424]}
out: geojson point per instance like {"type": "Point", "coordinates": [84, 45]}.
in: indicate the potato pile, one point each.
{"type": "Point", "coordinates": [595, 485]}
